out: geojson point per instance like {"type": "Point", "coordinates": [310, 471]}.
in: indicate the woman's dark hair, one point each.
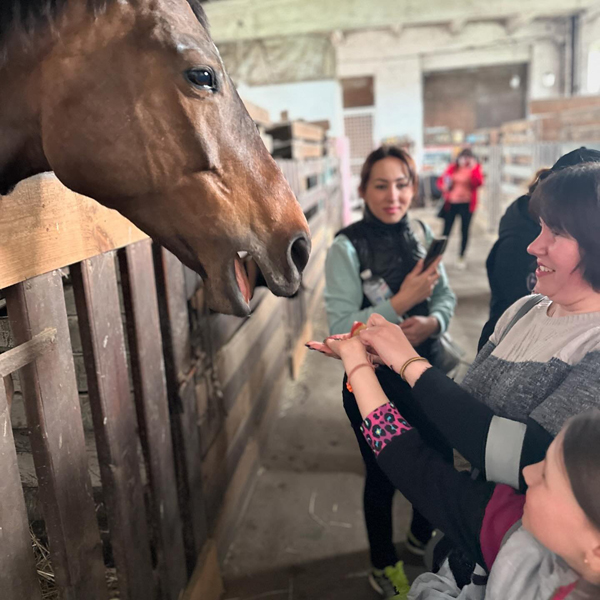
{"type": "Point", "coordinates": [568, 201]}
{"type": "Point", "coordinates": [581, 451]}
{"type": "Point", "coordinates": [385, 152]}
{"type": "Point", "coordinates": [465, 153]}
{"type": "Point", "coordinates": [539, 176]}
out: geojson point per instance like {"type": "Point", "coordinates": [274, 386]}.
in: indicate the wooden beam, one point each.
{"type": "Point", "coordinates": [22, 355]}
{"type": "Point", "coordinates": [233, 20]}
{"type": "Point", "coordinates": [45, 226]}
{"type": "Point", "coordinates": [206, 582]}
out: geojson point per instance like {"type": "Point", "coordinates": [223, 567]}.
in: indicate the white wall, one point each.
{"type": "Point", "coordinates": [398, 61]}
{"type": "Point", "coordinates": [589, 53]}
{"type": "Point", "coordinates": [398, 86]}
{"type": "Point", "coordinates": [310, 100]}
{"type": "Point", "coordinates": [547, 57]}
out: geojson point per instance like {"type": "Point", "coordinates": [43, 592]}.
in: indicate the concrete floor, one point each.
{"type": "Point", "coordinates": [303, 536]}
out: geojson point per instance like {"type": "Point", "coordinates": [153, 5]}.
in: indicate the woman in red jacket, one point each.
{"type": "Point", "coordinates": [459, 185]}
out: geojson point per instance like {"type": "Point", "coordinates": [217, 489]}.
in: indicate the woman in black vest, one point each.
{"type": "Point", "coordinates": [376, 265]}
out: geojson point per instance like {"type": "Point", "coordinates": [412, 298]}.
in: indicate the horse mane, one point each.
{"type": "Point", "coordinates": [30, 14]}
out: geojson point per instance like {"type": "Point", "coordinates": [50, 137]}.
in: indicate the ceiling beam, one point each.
{"type": "Point", "coordinates": [233, 20]}
{"type": "Point", "coordinates": [516, 22]}
{"type": "Point", "coordinates": [456, 27]}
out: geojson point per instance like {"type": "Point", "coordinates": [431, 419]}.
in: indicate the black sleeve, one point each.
{"type": "Point", "coordinates": [449, 499]}
{"type": "Point", "coordinates": [462, 419]}
{"type": "Point", "coordinates": [465, 422]}
{"type": "Point", "coordinates": [535, 445]}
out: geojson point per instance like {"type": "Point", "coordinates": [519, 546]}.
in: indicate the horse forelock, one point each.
{"type": "Point", "coordinates": [27, 15]}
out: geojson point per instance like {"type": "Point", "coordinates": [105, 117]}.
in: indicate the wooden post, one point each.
{"type": "Point", "coordinates": [148, 369]}
{"type": "Point", "coordinates": [180, 367]}
{"type": "Point", "coordinates": [57, 439]}
{"type": "Point", "coordinates": [115, 426]}
{"type": "Point", "coordinates": [18, 577]}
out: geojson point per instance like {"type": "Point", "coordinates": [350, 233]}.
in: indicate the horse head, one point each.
{"type": "Point", "coordinates": [130, 104]}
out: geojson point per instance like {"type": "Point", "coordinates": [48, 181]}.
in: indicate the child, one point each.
{"type": "Point", "coordinates": [544, 545]}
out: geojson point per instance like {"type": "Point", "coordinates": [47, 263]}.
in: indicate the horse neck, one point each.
{"type": "Point", "coordinates": [21, 151]}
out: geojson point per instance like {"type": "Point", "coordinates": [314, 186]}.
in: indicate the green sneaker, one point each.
{"type": "Point", "coordinates": [390, 582]}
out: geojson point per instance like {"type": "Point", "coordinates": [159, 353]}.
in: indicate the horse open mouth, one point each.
{"type": "Point", "coordinates": [241, 277]}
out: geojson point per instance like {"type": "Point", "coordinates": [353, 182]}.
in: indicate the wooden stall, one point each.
{"type": "Point", "coordinates": [133, 419]}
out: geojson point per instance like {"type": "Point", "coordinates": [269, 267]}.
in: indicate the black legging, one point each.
{"type": "Point", "coordinates": [379, 491]}
{"type": "Point", "coordinates": [461, 209]}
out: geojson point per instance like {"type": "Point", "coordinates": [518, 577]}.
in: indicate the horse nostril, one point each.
{"type": "Point", "coordinates": [300, 251]}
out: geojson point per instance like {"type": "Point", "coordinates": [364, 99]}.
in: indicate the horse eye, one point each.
{"type": "Point", "coordinates": [203, 78]}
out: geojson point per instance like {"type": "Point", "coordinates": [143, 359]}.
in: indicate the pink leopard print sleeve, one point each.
{"type": "Point", "coordinates": [382, 426]}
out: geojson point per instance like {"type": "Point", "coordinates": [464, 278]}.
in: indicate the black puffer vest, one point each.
{"type": "Point", "coordinates": [390, 252]}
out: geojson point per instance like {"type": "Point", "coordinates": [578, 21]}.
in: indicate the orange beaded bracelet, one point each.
{"type": "Point", "coordinates": [352, 371]}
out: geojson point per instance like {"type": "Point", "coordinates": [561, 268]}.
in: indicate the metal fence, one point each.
{"type": "Point", "coordinates": [508, 170]}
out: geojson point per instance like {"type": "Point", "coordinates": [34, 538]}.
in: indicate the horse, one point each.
{"type": "Point", "coordinates": [129, 103]}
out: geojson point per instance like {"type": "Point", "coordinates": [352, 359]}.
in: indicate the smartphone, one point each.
{"type": "Point", "coordinates": [436, 248]}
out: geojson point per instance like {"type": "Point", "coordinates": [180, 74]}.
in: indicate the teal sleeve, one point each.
{"type": "Point", "coordinates": [443, 299]}
{"type": "Point", "coordinates": [343, 289]}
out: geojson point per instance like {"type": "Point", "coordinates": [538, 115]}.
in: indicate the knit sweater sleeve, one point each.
{"type": "Point", "coordinates": [343, 289]}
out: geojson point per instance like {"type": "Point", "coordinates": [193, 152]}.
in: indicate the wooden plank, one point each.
{"type": "Point", "coordinates": [18, 576]}
{"type": "Point", "coordinates": [243, 480]}
{"type": "Point", "coordinates": [57, 439]}
{"type": "Point", "coordinates": [239, 489]}
{"type": "Point", "coordinates": [299, 130]}
{"type": "Point", "coordinates": [115, 425]}
{"type": "Point", "coordinates": [234, 353]}
{"type": "Point", "coordinates": [557, 105]}
{"type": "Point", "coordinates": [298, 149]}
{"type": "Point", "coordinates": [248, 364]}
{"type": "Point", "coordinates": [220, 462]}
{"type": "Point", "coordinates": [206, 582]}
{"type": "Point", "coordinates": [22, 355]}
{"type": "Point", "coordinates": [45, 226]}
{"type": "Point", "coordinates": [179, 368]}
{"type": "Point", "coordinates": [148, 369]}
{"type": "Point", "coordinates": [299, 352]}
{"type": "Point", "coordinates": [259, 115]}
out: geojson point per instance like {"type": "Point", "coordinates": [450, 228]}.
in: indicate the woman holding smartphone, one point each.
{"type": "Point", "coordinates": [376, 266]}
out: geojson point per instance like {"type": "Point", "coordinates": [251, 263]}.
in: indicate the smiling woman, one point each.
{"type": "Point", "coordinates": [129, 103]}
{"type": "Point", "coordinates": [375, 266]}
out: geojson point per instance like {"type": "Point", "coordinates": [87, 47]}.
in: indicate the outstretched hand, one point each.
{"type": "Point", "coordinates": [332, 345]}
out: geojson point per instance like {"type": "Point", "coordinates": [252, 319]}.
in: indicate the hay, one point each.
{"type": "Point", "coordinates": [46, 572]}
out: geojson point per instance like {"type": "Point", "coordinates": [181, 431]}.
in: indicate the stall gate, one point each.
{"type": "Point", "coordinates": [137, 377]}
